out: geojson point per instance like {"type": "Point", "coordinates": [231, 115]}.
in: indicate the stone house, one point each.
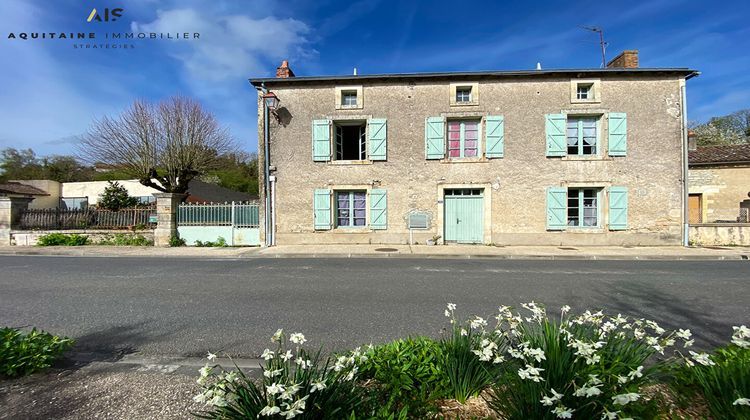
{"type": "Point", "coordinates": [537, 157]}
{"type": "Point", "coordinates": [719, 184]}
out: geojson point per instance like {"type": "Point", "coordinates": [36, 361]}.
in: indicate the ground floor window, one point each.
{"type": "Point", "coordinates": [351, 208]}
{"type": "Point", "coordinates": [583, 207]}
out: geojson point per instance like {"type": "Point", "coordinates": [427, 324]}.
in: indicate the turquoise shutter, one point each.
{"type": "Point", "coordinates": [322, 209]}
{"type": "Point", "coordinates": [321, 140]}
{"type": "Point", "coordinates": [618, 208]}
{"type": "Point", "coordinates": [434, 137]}
{"type": "Point", "coordinates": [378, 209]}
{"type": "Point", "coordinates": [557, 208]}
{"type": "Point", "coordinates": [378, 145]}
{"type": "Point", "coordinates": [555, 130]}
{"type": "Point", "coordinates": [618, 133]}
{"type": "Point", "coordinates": [494, 140]}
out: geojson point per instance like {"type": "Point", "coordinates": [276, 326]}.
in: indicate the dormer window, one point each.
{"type": "Point", "coordinates": [463, 94]}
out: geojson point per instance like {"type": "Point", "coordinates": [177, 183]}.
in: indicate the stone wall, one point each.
{"type": "Point", "coordinates": [720, 234]}
{"type": "Point", "coordinates": [724, 190]}
{"type": "Point", "coordinates": [517, 183]}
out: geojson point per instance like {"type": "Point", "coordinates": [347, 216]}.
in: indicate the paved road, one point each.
{"type": "Point", "coordinates": [175, 306]}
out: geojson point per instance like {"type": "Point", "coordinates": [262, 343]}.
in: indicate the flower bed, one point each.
{"type": "Point", "coordinates": [526, 366]}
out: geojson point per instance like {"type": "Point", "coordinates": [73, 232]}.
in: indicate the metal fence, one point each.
{"type": "Point", "coordinates": [91, 218]}
{"type": "Point", "coordinates": [237, 214]}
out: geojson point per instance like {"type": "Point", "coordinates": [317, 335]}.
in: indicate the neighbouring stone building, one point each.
{"type": "Point", "coordinates": [719, 182]}
{"type": "Point", "coordinates": [533, 157]}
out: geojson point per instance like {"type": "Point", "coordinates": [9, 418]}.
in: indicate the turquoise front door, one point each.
{"type": "Point", "coordinates": [464, 215]}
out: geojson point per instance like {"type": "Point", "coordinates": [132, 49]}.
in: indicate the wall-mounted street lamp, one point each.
{"type": "Point", "coordinates": [271, 100]}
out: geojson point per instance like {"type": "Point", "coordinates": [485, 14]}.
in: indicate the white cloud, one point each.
{"type": "Point", "coordinates": [231, 47]}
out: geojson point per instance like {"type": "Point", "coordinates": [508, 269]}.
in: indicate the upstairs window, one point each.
{"type": "Point", "coordinates": [350, 140]}
{"type": "Point", "coordinates": [351, 208]}
{"type": "Point", "coordinates": [582, 135]}
{"type": "Point", "coordinates": [349, 98]}
{"type": "Point", "coordinates": [463, 94]}
{"type": "Point", "coordinates": [583, 91]}
{"type": "Point", "coordinates": [463, 138]}
{"type": "Point", "coordinates": [583, 207]}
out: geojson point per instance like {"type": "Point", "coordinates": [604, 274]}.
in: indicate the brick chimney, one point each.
{"type": "Point", "coordinates": [283, 71]}
{"type": "Point", "coordinates": [627, 59]}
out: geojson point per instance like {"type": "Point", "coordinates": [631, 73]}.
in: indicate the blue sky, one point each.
{"type": "Point", "coordinates": [51, 92]}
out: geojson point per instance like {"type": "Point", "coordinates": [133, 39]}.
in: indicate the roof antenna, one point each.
{"type": "Point", "coordinates": [603, 44]}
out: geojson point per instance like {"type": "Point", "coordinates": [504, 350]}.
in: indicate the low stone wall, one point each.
{"type": "Point", "coordinates": [720, 234]}
{"type": "Point", "coordinates": [29, 238]}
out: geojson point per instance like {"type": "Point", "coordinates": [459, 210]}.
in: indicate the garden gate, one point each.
{"type": "Point", "coordinates": [237, 222]}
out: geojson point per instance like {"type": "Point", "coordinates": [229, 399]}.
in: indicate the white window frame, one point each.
{"type": "Point", "coordinates": [335, 208]}
{"type": "Point", "coordinates": [363, 140]}
{"type": "Point", "coordinates": [580, 117]}
{"type": "Point", "coordinates": [339, 99]}
{"type": "Point", "coordinates": [580, 191]}
{"type": "Point", "coordinates": [594, 95]}
{"type": "Point", "coordinates": [480, 145]}
{"type": "Point", "coordinates": [473, 96]}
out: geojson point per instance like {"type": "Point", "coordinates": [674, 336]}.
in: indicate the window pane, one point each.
{"type": "Point", "coordinates": [471, 125]}
{"type": "Point", "coordinates": [454, 153]}
{"type": "Point", "coordinates": [470, 134]}
{"type": "Point", "coordinates": [454, 135]}
{"type": "Point", "coordinates": [470, 152]}
{"type": "Point", "coordinates": [454, 126]}
{"type": "Point", "coordinates": [470, 144]}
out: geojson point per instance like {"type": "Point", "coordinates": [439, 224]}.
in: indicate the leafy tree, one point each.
{"type": "Point", "coordinates": [163, 145]}
{"type": "Point", "coordinates": [116, 197]}
{"type": "Point", "coordinates": [236, 171]}
{"type": "Point", "coordinates": [725, 130]}
{"type": "Point", "coordinates": [24, 164]}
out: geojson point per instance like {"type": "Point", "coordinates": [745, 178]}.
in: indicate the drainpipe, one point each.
{"type": "Point", "coordinates": [685, 187]}
{"type": "Point", "coordinates": [272, 180]}
{"type": "Point", "coordinates": [266, 170]}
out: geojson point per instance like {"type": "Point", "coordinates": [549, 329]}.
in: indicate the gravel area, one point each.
{"type": "Point", "coordinates": [98, 392]}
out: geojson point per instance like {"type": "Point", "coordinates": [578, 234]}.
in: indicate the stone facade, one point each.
{"type": "Point", "coordinates": [723, 190]}
{"type": "Point", "coordinates": [514, 186]}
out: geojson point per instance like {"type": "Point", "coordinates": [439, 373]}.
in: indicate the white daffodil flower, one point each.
{"type": "Point", "coordinates": [267, 354]}
{"type": "Point", "coordinates": [317, 386]}
{"type": "Point", "coordinates": [623, 399]}
{"type": "Point", "coordinates": [211, 356]}
{"type": "Point", "coordinates": [269, 411]}
{"type": "Point", "coordinates": [742, 401]}
{"type": "Point", "coordinates": [702, 358]}
{"type": "Point", "coordinates": [297, 338]}
{"type": "Point", "coordinates": [563, 412]}
{"type": "Point", "coordinates": [277, 336]}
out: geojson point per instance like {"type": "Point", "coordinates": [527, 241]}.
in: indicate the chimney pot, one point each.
{"type": "Point", "coordinates": [692, 140]}
{"type": "Point", "coordinates": [283, 71]}
{"type": "Point", "coordinates": [627, 59]}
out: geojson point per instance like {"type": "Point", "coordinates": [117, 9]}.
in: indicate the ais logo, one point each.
{"type": "Point", "coordinates": [110, 15]}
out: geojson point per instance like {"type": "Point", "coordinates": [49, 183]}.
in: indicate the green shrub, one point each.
{"type": "Point", "coordinates": [116, 197]}
{"type": "Point", "coordinates": [25, 353]}
{"type": "Point", "coordinates": [408, 373]}
{"type": "Point", "coordinates": [123, 239]}
{"type": "Point", "coordinates": [590, 366]}
{"type": "Point", "coordinates": [722, 379]}
{"type": "Point", "coordinates": [62, 239]}
{"type": "Point", "coordinates": [220, 242]}
{"type": "Point", "coordinates": [176, 241]}
{"type": "Point", "coordinates": [295, 384]}
{"type": "Point", "coordinates": [467, 375]}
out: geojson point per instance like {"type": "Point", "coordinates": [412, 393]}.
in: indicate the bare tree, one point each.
{"type": "Point", "coordinates": [164, 145]}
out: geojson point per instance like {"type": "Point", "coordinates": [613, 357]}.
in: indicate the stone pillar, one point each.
{"type": "Point", "coordinates": [166, 215]}
{"type": "Point", "coordinates": [10, 211]}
